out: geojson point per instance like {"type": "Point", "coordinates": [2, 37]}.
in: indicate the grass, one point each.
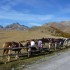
{"type": "Point", "coordinates": [23, 61]}
{"type": "Point", "coordinates": [11, 35]}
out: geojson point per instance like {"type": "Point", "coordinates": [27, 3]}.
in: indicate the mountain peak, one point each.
{"type": "Point", "coordinates": [16, 26]}
{"type": "Point", "coordinates": [66, 23]}
{"type": "Point", "coordinates": [1, 26]}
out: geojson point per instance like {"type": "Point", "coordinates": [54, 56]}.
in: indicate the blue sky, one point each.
{"type": "Point", "coordinates": [33, 12]}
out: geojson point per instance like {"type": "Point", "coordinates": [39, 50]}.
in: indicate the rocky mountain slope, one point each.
{"type": "Point", "coordinates": [53, 28]}
{"type": "Point", "coordinates": [14, 26]}
{"type": "Point", "coordinates": [1, 26]}
{"type": "Point", "coordinates": [63, 26]}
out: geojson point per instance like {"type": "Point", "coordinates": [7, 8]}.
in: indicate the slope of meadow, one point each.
{"type": "Point", "coordinates": [33, 33]}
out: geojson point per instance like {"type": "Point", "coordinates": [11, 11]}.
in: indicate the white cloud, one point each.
{"type": "Point", "coordinates": [45, 17]}
{"type": "Point", "coordinates": [13, 15]}
{"type": "Point", "coordinates": [7, 11]}
{"type": "Point", "coordinates": [7, 5]}
{"type": "Point", "coordinates": [34, 24]}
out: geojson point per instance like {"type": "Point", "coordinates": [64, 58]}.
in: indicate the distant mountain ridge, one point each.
{"type": "Point", "coordinates": [63, 26]}
{"type": "Point", "coordinates": [53, 29]}
{"type": "Point", "coordinates": [14, 26]}
{"type": "Point", "coordinates": [1, 26]}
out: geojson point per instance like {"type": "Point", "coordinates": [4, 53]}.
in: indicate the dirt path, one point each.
{"type": "Point", "coordinates": [58, 61]}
